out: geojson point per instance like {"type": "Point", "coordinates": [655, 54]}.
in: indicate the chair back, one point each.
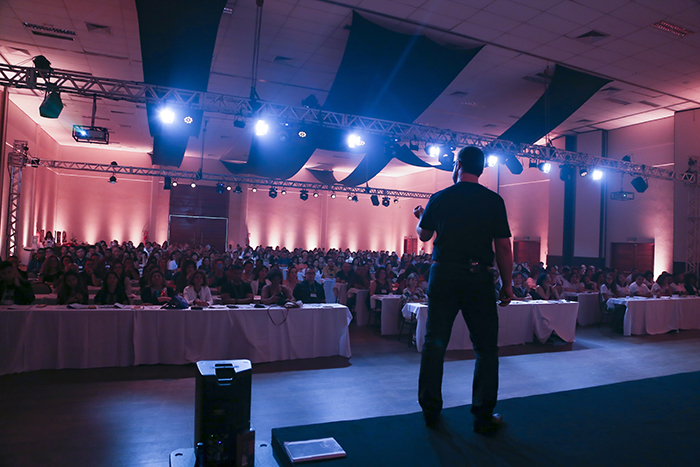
{"type": "Point", "coordinates": [40, 288]}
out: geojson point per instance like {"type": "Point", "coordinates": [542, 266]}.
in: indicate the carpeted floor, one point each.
{"type": "Point", "coordinates": [650, 422]}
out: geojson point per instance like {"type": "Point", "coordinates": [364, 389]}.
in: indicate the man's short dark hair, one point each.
{"type": "Point", "coordinates": [234, 267]}
{"type": "Point", "coordinates": [472, 159]}
{"type": "Point", "coordinates": [5, 264]}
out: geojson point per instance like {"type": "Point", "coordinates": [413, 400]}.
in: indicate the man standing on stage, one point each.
{"type": "Point", "coordinates": [468, 219]}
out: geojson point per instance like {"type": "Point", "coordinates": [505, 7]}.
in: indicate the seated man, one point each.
{"type": "Point", "coordinates": [310, 291]}
{"type": "Point", "coordinates": [235, 291]}
{"type": "Point", "coordinates": [520, 289]}
{"type": "Point", "coordinates": [639, 288]}
{"type": "Point", "coordinates": [330, 269]}
{"type": "Point", "coordinates": [13, 289]}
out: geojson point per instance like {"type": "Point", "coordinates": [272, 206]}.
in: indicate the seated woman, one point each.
{"type": "Point", "coordinates": [589, 285]}
{"type": "Point", "coordinates": [71, 289]}
{"type": "Point", "coordinates": [156, 292]}
{"type": "Point", "coordinates": [661, 288]}
{"type": "Point", "coordinates": [198, 292]}
{"type": "Point", "coordinates": [690, 281]}
{"type": "Point", "coordinates": [544, 289]}
{"type": "Point", "coordinates": [609, 288]}
{"type": "Point", "coordinates": [381, 285]}
{"type": "Point", "coordinates": [130, 271]}
{"type": "Point", "coordinates": [259, 281]}
{"type": "Point", "coordinates": [292, 277]}
{"type": "Point", "coordinates": [182, 277]}
{"type": "Point", "coordinates": [124, 282]}
{"type": "Point", "coordinates": [275, 293]}
{"type": "Point", "coordinates": [622, 289]}
{"type": "Point", "coordinates": [112, 291]}
{"type": "Point", "coordinates": [412, 293]}
{"type": "Point", "coordinates": [51, 270]}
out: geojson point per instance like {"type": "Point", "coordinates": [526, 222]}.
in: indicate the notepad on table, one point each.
{"type": "Point", "coordinates": [313, 449]}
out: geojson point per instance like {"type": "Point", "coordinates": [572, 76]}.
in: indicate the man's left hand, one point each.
{"type": "Point", "coordinates": [506, 295]}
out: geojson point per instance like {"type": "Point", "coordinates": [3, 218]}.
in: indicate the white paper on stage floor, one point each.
{"type": "Point", "coordinates": [313, 449]}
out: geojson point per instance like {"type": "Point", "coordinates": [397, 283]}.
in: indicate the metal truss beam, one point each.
{"type": "Point", "coordinates": [14, 166]}
{"type": "Point", "coordinates": [182, 175]}
{"type": "Point", "coordinates": [245, 108]}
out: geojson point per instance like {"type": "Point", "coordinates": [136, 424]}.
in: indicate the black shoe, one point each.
{"type": "Point", "coordinates": [488, 425]}
{"type": "Point", "coordinates": [431, 418]}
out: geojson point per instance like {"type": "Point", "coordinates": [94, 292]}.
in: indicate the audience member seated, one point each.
{"type": "Point", "coordinates": [51, 270]}
{"type": "Point", "coordinates": [15, 263]}
{"type": "Point", "coordinates": [381, 285]}
{"type": "Point", "coordinates": [649, 279]}
{"type": "Point", "coordinates": [531, 282]}
{"type": "Point", "coordinates": [217, 276]}
{"type": "Point", "coordinates": [235, 291]}
{"type": "Point", "coordinates": [608, 288]}
{"type": "Point", "coordinates": [247, 272]}
{"type": "Point", "coordinates": [259, 281]}
{"type": "Point", "coordinates": [345, 274]}
{"type": "Point", "coordinates": [13, 289]}
{"type": "Point", "coordinates": [621, 285]}
{"type": "Point", "coordinates": [638, 288]}
{"type": "Point", "coordinates": [310, 291]}
{"type": "Point", "coordinates": [156, 291]}
{"type": "Point", "coordinates": [130, 271]}
{"type": "Point", "coordinates": [37, 261]}
{"type": "Point", "coordinates": [292, 277]}
{"type": "Point", "coordinates": [690, 282]}
{"type": "Point", "coordinates": [182, 277]}
{"type": "Point", "coordinates": [661, 288]}
{"type": "Point", "coordinates": [677, 285]}
{"type": "Point", "coordinates": [330, 269]}
{"type": "Point", "coordinates": [71, 289]}
{"type": "Point", "coordinates": [520, 290]}
{"type": "Point", "coordinates": [124, 282]}
{"type": "Point", "coordinates": [589, 285]}
{"type": "Point", "coordinates": [88, 274]}
{"type": "Point", "coordinates": [544, 290]}
{"type": "Point", "coordinates": [412, 293]}
{"type": "Point", "coordinates": [198, 292]}
{"type": "Point", "coordinates": [275, 293]}
{"type": "Point", "coordinates": [112, 291]}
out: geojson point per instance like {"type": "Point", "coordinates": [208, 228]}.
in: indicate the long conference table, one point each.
{"type": "Point", "coordinates": [658, 315]}
{"type": "Point", "coordinates": [56, 337]}
{"type": "Point", "coordinates": [517, 323]}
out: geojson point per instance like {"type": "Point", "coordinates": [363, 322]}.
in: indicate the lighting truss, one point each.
{"type": "Point", "coordinates": [132, 91]}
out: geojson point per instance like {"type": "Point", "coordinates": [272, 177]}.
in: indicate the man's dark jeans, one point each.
{"type": "Point", "coordinates": [453, 287]}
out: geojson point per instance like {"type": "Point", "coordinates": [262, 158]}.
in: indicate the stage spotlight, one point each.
{"type": "Point", "coordinates": [533, 163]}
{"type": "Point", "coordinates": [413, 145]}
{"type": "Point", "coordinates": [640, 184]}
{"type": "Point", "coordinates": [354, 198]}
{"type": "Point", "coordinates": [42, 63]}
{"type": "Point", "coordinates": [167, 183]}
{"type": "Point", "coordinates": [544, 167]}
{"type": "Point", "coordinates": [284, 192]}
{"type": "Point", "coordinates": [566, 173]}
{"type": "Point", "coordinates": [433, 150]}
{"type": "Point", "coordinates": [627, 158]}
{"type": "Point", "coordinates": [597, 174]}
{"type": "Point", "coordinates": [254, 189]}
{"type": "Point", "coordinates": [220, 188]}
{"type": "Point", "coordinates": [349, 196]}
{"type": "Point", "coordinates": [396, 201]}
{"type": "Point", "coordinates": [113, 179]}
{"type": "Point", "coordinates": [166, 115]}
{"type": "Point", "coordinates": [583, 172]}
{"type": "Point", "coordinates": [514, 165]}
{"type": "Point", "coordinates": [302, 134]}
{"type": "Point", "coordinates": [332, 195]}
{"type": "Point", "coordinates": [175, 182]}
{"type": "Point", "coordinates": [386, 201]}
{"type": "Point", "coordinates": [311, 102]}
{"type": "Point", "coordinates": [239, 121]}
{"type": "Point", "coordinates": [315, 194]}
{"type": "Point", "coordinates": [355, 141]}
{"type": "Point", "coordinates": [52, 105]}
{"type": "Point", "coordinates": [228, 188]}
{"type": "Point", "coordinates": [304, 195]}
{"type": "Point", "coordinates": [193, 184]}
{"type": "Point", "coordinates": [239, 190]}
{"type": "Point", "coordinates": [492, 161]}
{"type": "Point", "coordinates": [273, 192]}
{"type": "Point", "coordinates": [261, 128]}
{"type": "Point", "coordinates": [375, 200]}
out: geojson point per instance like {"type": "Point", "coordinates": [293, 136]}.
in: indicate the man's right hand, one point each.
{"type": "Point", "coordinates": [418, 211]}
{"type": "Point", "coordinates": [506, 295]}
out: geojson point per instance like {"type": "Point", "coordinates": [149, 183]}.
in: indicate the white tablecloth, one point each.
{"type": "Point", "coordinates": [390, 312]}
{"type": "Point", "coordinates": [34, 338]}
{"type": "Point", "coordinates": [517, 323]}
{"type": "Point", "coordinates": [658, 315]}
{"type": "Point", "coordinates": [361, 311]}
{"type": "Point", "coordinates": [588, 307]}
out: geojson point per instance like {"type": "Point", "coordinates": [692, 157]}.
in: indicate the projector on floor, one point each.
{"type": "Point", "coordinates": [90, 134]}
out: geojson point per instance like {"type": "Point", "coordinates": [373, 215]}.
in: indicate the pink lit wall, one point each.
{"type": "Point", "coordinates": [650, 216]}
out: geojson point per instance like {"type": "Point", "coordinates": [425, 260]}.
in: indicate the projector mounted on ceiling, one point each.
{"type": "Point", "coordinates": [90, 134]}
{"type": "Point", "coordinates": [622, 195]}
